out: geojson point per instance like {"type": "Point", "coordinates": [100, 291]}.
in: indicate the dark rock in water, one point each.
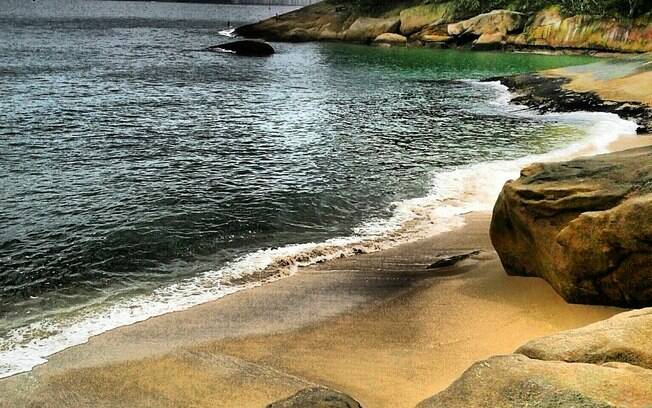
{"type": "Point", "coordinates": [585, 226]}
{"type": "Point", "coordinates": [248, 48]}
{"type": "Point", "coordinates": [317, 397]}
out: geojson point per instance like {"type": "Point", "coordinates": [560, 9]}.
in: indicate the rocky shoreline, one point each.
{"type": "Point", "coordinates": [546, 93]}
{"type": "Point", "coordinates": [445, 24]}
{"type": "Point", "coordinates": [363, 325]}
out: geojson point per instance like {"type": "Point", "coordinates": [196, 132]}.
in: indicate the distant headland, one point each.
{"type": "Point", "coordinates": [542, 25]}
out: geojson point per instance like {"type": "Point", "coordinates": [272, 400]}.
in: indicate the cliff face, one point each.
{"type": "Point", "coordinates": [445, 25]}
{"type": "Point", "coordinates": [549, 29]}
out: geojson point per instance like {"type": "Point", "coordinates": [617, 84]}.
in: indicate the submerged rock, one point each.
{"type": "Point", "coordinates": [248, 48]}
{"type": "Point", "coordinates": [317, 397]}
{"type": "Point", "coordinates": [606, 364]}
{"type": "Point", "coordinates": [585, 226]}
{"type": "Point", "coordinates": [445, 261]}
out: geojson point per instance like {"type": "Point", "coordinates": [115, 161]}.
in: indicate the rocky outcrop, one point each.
{"type": "Point", "coordinates": [390, 39]}
{"type": "Point", "coordinates": [317, 397]}
{"type": "Point", "coordinates": [365, 29]}
{"type": "Point", "coordinates": [488, 30]}
{"type": "Point", "coordinates": [549, 29]}
{"type": "Point", "coordinates": [497, 21]}
{"type": "Point", "coordinates": [447, 24]}
{"type": "Point", "coordinates": [321, 21]}
{"type": "Point", "coordinates": [624, 338]}
{"type": "Point", "coordinates": [585, 226]}
{"type": "Point", "coordinates": [417, 18]}
{"type": "Point", "coordinates": [245, 47]}
{"type": "Point", "coordinates": [606, 364]}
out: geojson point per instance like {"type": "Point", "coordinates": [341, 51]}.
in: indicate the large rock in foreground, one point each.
{"type": "Point", "coordinates": [606, 364]}
{"type": "Point", "coordinates": [585, 226]}
{"type": "Point", "coordinates": [519, 381]}
{"type": "Point", "coordinates": [317, 397]}
{"type": "Point", "coordinates": [624, 338]}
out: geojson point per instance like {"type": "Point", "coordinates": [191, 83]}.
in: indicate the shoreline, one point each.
{"type": "Point", "coordinates": [309, 313]}
{"type": "Point", "coordinates": [343, 324]}
{"type": "Point", "coordinates": [424, 222]}
{"type": "Point", "coordinates": [241, 341]}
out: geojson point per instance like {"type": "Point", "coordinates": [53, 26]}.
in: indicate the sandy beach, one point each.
{"type": "Point", "coordinates": [187, 226]}
{"type": "Point", "coordinates": [382, 327]}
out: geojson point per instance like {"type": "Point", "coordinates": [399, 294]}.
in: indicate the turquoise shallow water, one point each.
{"type": "Point", "coordinates": [135, 169]}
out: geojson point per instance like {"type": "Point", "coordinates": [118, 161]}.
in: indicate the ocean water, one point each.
{"type": "Point", "coordinates": [139, 177]}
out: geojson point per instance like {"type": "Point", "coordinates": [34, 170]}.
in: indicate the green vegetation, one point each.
{"type": "Point", "coordinates": [617, 8]}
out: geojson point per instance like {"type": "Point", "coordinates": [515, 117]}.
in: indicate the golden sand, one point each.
{"type": "Point", "coordinates": [381, 327]}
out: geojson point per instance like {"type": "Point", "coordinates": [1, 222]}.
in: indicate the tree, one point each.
{"type": "Point", "coordinates": [633, 7]}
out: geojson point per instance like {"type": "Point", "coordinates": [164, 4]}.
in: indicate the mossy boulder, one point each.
{"type": "Point", "coordinates": [366, 29]}
{"type": "Point", "coordinates": [497, 21]}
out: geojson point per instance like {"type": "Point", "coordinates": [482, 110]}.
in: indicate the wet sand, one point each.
{"type": "Point", "coordinates": [381, 327]}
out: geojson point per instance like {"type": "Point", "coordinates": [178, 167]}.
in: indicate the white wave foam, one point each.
{"type": "Point", "coordinates": [454, 193]}
{"type": "Point", "coordinates": [229, 32]}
